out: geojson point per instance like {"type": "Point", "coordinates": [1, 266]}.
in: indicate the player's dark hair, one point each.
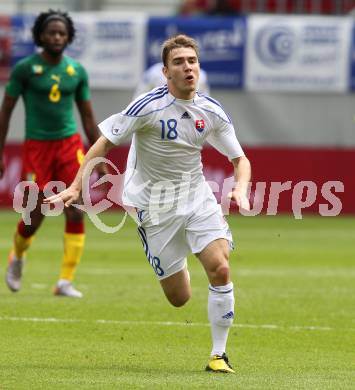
{"type": "Point", "coordinates": [45, 17]}
{"type": "Point", "coordinates": [175, 42]}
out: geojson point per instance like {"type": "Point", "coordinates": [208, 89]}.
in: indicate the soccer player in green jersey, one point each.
{"type": "Point", "coordinates": [49, 83]}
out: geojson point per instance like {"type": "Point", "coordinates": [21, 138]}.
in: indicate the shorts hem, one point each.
{"type": "Point", "coordinates": [202, 247]}
{"type": "Point", "coordinates": [174, 272]}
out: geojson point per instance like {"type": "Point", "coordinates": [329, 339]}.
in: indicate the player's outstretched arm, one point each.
{"type": "Point", "coordinates": [99, 149]}
{"type": "Point", "coordinates": [88, 120]}
{"type": "Point", "coordinates": [91, 129]}
{"type": "Point", "coordinates": [242, 175]}
{"type": "Point", "coordinates": [7, 107]}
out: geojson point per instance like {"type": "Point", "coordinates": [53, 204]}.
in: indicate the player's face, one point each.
{"type": "Point", "coordinates": [182, 72]}
{"type": "Point", "coordinates": [55, 37]}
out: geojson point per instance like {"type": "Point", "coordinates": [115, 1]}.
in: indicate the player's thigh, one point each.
{"type": "Point", "coordinates": [70, 155]}
{"type": "Point", "coordinates": [215, 256]}
{"type": "Point", "coordinates": [205, 227]}
{"type": "Point", "coordinates": [38, 162]}
{"type": "Point", "coordinates": [210, 239]}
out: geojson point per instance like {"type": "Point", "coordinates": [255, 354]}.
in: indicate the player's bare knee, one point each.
{"type": "Point", "coordinates": [30, 230]}
{"type": "Point", "coordinates": [219, 275]}
{"type": "Point", "coordinates": [223, 270]}
{"type": "Point", "coordinates": [179, 300]}
{"type": "Point", "coordinates": [36, 221]}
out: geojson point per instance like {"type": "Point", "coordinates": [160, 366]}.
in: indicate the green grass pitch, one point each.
{"type": "Point", "coordinates": [295, 312]}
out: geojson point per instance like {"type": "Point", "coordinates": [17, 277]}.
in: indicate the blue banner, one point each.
{"type": "Point", "coordinates": [22, 41]}
{"type": "Point", "coordinates": [221, 42]}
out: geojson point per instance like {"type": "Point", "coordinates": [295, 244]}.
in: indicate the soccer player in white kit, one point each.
{"type": "Point", "coordinates": [176, 208]}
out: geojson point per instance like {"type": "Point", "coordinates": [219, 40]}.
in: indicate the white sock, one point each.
{"type": "Point", "coordinates": [220, 315]}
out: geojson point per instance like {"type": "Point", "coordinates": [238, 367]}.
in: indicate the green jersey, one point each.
{"type": "Point", "coordinates": [48, 92]}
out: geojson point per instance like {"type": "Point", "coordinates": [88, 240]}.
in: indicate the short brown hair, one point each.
{"type": "Point", "coordinates": [175, 42]}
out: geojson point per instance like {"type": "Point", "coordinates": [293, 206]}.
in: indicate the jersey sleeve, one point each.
{"type": "Point", "coordinates": [16, 84]}
{"type": "Point", "coordinates": [223, 139]}
{"type": "Point", "coordinates": [83, 91]}
{"type": "Point", "coordinates": [119, 128]}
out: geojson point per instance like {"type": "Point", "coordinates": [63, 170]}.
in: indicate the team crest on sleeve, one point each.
{"type": "Point", "coordinates": [115, 131]}
{"type": "Point", "coordinates": [200, 125]}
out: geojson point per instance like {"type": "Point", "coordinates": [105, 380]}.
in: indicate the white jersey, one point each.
{"type": "Point", "coordinates": [166, 148]}
{"type": "Point", "coordinates": [153, 77]}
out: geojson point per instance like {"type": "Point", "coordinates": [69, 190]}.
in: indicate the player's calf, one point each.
{"type": "Point", "coordinates": [177, 288]}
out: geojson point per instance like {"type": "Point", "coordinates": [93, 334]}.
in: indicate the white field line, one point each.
{"type": "Point", "coordinates": [170, 323]}
{"type": "Point", "coordinates": [39, 286]}
{"type": "Point", "coordinates": [239, 272]}
{"type": "Point", "coordinates": [58, 245]}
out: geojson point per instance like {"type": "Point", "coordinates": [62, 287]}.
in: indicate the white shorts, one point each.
{"type": "Point", "coordinates": [168, 243]}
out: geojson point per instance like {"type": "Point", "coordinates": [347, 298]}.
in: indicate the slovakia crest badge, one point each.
{"type": "Point", "coordinates": [200, 125]}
